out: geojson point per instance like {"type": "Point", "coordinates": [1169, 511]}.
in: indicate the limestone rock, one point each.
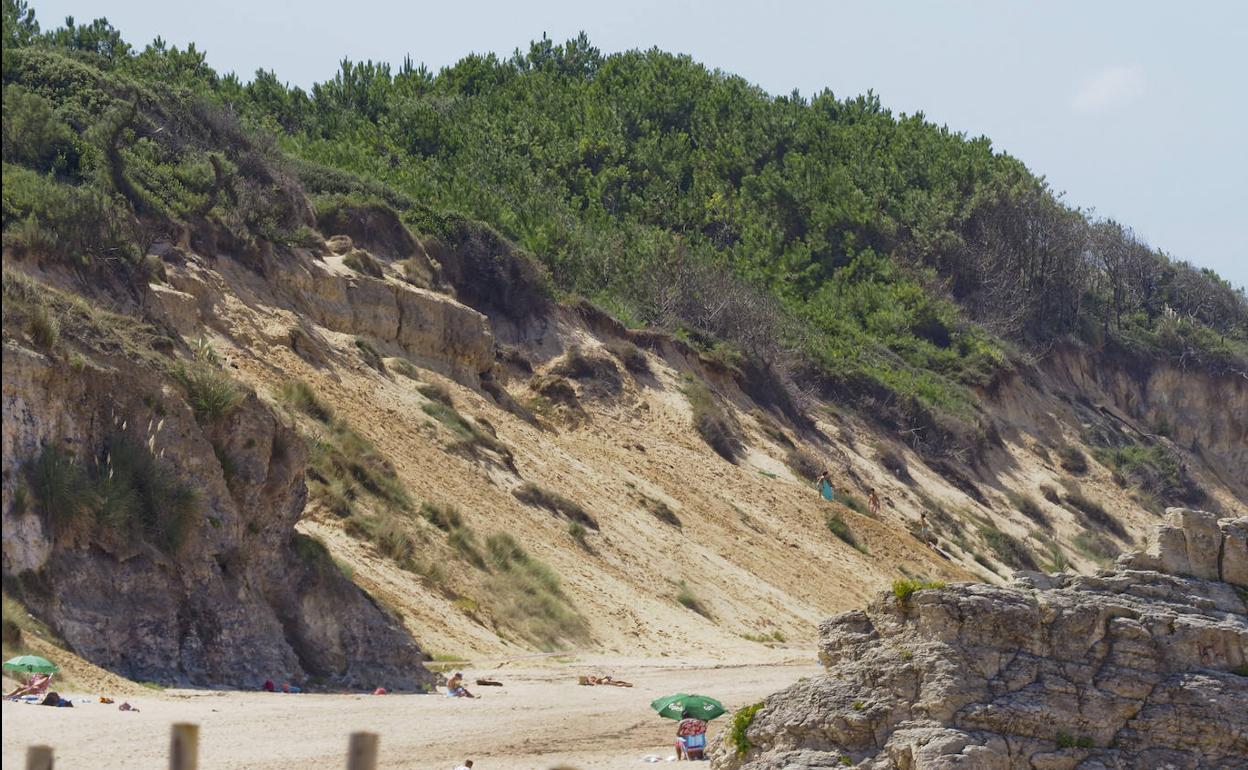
{"type": "Point", "coordinates": [1140, 667]}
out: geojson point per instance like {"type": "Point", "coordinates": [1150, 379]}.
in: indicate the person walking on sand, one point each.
{"type": "Point", "coordinates": [925, 531]}
{"type": "Point", "coordinates": [873, 502]}
{"type": "Point", "coordinates": [824, 484]}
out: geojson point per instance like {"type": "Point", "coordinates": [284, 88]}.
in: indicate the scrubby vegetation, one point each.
{"type": "Point", "coordinates": [1153, 469]}
{"type": "Point", "coordinates": [1007, 548]}
{"type": "Point", "coordinates": [1093, 512]}
{"type": "Point", "coordinates": [838, 526]}
{"type": "Point", "coordinates": [1072, 459]}
{"type": "Point", "coordinates": [741, 721]}
{"type": "Point", "coordinates": [1027, 505]}
{"type": "Point", "coordinates": [540, 497]}
{"type": "Point", "coordinates": [716, 425]}
{"type": "Point", "coordinates": [526, 597]}
{"type": "Point", "coordinates": [686, 598]}
{"type": "Point", "coordinates": [125, 490]}
{"type": "Point", "coordinates": [884, 259]}
{"type": "Point", "coordinates": [904, 589]}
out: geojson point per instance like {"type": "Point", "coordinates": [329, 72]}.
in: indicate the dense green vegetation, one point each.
{"type": "Point", "coordinates": [883, 258]}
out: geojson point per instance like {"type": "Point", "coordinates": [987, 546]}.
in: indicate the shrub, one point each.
{"type": "Point", "coordinates": [211, 393]}
{"type": "Point", "coordinates": [1096, 547]}
{"type": "Point", "coordinates": [436, 392]}
{"type": "Point", "coordinates": [804, 464]}
{"type": "Point", "coordinates": [904, 589]}
{"type": "Point", "coordinates": [43, 327]}
{"type": "Point", "coordinates": [464, 541]}
{"type": "Point", "coordinates": [1155, 470]}
{"type": "Point", "coordinates": [661, 511]}
{"type": "Point", "coordinates": [895, 463]}
{"type": "Point", "coordinates": [444, 517]}
{"type": "Point", "coordinates": [526, 597]}
{"type": "Point", "coordinates": [1072, 459]}
{"type": "Point", "coordinates": [687, 599]}
{"type": "Point", "coordinates": [577, 533]}
{"type": "Point", "coordinates": [1007, 548]}
{"type": "Point", "coordinates": [1093, 511]}
{"type": "Point", "coordinates": [741, 722]}
{"type": "Point", "coordinates": [633, 358]}
{"type": "Point", "coordinates": [61, 487]}
{"type": "Point", "coordinates": [540, 497]}
{"type": "Point", "coordinates": [838, 527]}
{"type": "Point", "coordinates": [301, 397]}
{"type": "Point", "coordinates": [1050, 494]}
{"type": "Point", "coordinates": [370, 355]}
{"type": "Point", "coordinates": [364, 263]}
{"type": "Point", "coordinates": [714, 424]}
{"type": "Point", "coordinates": [405, 368]}
{"type": "Point", "coordinates": [1028, 506]}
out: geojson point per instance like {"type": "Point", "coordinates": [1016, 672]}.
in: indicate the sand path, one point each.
{"type": "Point", "coordinates": [540, 719]}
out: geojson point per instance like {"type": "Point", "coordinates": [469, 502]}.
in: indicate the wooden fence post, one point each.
{"type": "Point", "coordinates": [39, 758]}
{"type": "Point", "coordinates": [184, 747]}
{"type": "Point", "coordinates": [362, 752]}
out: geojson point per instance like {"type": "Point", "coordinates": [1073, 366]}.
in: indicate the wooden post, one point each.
{"type": "Point", "coordinates": [39, 758]}
{"type": "Point", "coordinates": [362, 752]}
{"type": "Point", "coordinates": [184, 747]}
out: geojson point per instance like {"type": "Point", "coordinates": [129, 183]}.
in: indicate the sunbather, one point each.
{"type": "Point", "coordinates": [690, 737]}
{"type": "Point", "coordinates": [36, 685]}
{"type": "Point", "coordinates": [455, 687]}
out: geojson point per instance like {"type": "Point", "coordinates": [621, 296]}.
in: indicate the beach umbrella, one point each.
{"type": "Point", "coordinates": [698, 706]}
{"type": "Point", "coordinates": [31, 664]}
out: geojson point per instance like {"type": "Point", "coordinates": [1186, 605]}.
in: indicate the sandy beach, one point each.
{"type": "Point", "coordinates": [541, 718]}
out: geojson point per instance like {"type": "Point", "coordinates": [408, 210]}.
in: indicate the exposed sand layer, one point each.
{"type": "Point", "coordinates": [541, 718]}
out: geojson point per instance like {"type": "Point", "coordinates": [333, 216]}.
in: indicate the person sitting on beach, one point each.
{"type": "Point", "coordinates": [455, 687]}
{"type": "Point", "coordinates": [690, 737]}
{"type": "Point", "coordinates": [466, 766]}
{"type": "Point", "coordinates": [36, 685]}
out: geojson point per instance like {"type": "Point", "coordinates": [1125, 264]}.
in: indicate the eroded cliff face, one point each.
{"type": "Point", "coordinates": [236, 598]}
{"type": "Point", "coordinates": [1141, 666]}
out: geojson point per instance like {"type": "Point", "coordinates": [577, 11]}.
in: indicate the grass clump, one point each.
{"type": "Point", "coordinates": [1155, 470]}
{"type": "Point", "coordinates": [43, 327]}
{"type": "Point", "coordinates": [301, 397]}
{"type": "Point", "coordinates": [578, 532]}
{"type": "Point", "coordinates": [526, 597]}
{"type": "Point", "coordinates": [661, 511]}
{"type": "Point", "coordinates": [1027, 505]}
{"type": "Point", "coordinates": [540, 497]}
{"type": "Point", "coordinates": [210, 392]}
{"type": "Point", "coordinates": [1096, 547]}
{"type": "Point", "coordinates": [364, 263]}
{"type": "Point", "coordinates": [904, 589]}
{"type": "Point", "coordinates": [1072, 459]}
{"type": "Point", "coordinates": [1050, 494]}
{"type": "Point", "coordinates": [803, 463]}
{"type": "Point", "coordinates": [437, 393]}
{"type": "Point", "coordinates": [894, 462]}
{"type": "Point", "coordinates": [838, 527]}
{"type": "Point", "coordinates": [633, 358]}
{"type": "Point", "coordinates": [1066, 741]}
{"type": "Point", "coordinates": [686, 598]}
{"type": "Point", "coordinates": [1007, 548]}
{"type": "Point", "coordinates": [1093, 511]}
{"type": "Point", "coordinates": [472, 437]}
{"type": "Point", "coordinates": [444, 517]}
{"type": "Point", "coordinates": [741, 722]}
{"type": "Point", "coordinates": [713, 423]}
{"type": "Point", "coordinates": [370, 355]}
{"type": "Point", "coordinates": [464, 542]}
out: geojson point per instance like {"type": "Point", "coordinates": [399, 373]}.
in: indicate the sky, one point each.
{"type": "Point", "coordinates": [1134, 108]}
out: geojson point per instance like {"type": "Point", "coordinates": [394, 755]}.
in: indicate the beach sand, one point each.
{"type": "Point", "coordinates": [541, 718]}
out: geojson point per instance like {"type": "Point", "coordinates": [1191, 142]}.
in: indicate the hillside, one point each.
{"type": "Point", "coordinates": [544, 354]}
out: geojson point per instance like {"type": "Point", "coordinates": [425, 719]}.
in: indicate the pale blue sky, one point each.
{"type": "Point", "coordinates": [1138, 109]}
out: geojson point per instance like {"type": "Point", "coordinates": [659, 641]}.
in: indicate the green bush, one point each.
{"type": "Point", "coordinates": [838, 527]}
{"type": "Point", "coordinates": [714, 424]}
{"type": "Point", "coordinates": [210, 392]}
{"type": "Point", "coordinates": [904, 589]}
{"type": "Point", "coordinates": [301, 397]}
{"type": "Point", "coordinates": [444, 517]}
{"type": "Point", "coordinates": [741, 721]}
{"type": "Point", "coordinates": [1072, 459]}
{"type": "Point", "coordinates": [526, 597]}
{"type": "Point", "coordinates": [687, 599]}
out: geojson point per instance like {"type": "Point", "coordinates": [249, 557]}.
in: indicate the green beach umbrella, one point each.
{"type": "Point", "coordinates": [698, 706]}
{"type": "Point", "coordinates": [31, 664]}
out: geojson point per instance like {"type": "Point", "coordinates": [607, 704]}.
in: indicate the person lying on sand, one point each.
{"type": "Point", "coordinates": [604, 680]}
{"type": "Point", "coordinates": [455, 687]}
{"type": "Point", "coordinates": [33, 686]}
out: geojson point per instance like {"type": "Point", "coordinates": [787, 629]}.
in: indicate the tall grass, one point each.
{"type": "Point", "coordinates": [526, 597]}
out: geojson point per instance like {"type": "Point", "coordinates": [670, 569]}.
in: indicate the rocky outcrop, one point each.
{"type": "Point", "coordinates": [1145, 666]}
{"type": "Point", "coordinates": [237, 597]}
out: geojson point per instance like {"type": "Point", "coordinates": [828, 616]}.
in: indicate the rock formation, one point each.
{"type": "Point", "coordinates": [241, 597]}
{"type": "Point", "coordinates": [1144, 666]}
